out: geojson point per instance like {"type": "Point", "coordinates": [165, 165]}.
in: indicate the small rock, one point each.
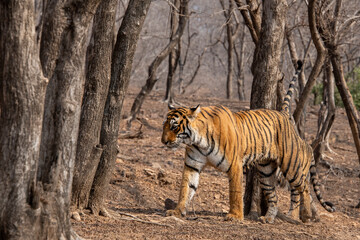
{"type": "Point", "coordinates": [149, 172]}
{"type": "Point", "coordinates": [169, 204]}
{"type": "Point", "coordinates": [76, 216]}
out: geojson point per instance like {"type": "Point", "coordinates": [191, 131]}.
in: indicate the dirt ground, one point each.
{"type": "Point", "coordinates": [147, 173]}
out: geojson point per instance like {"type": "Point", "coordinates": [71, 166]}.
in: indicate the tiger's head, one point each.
{"type": "Point", "coordinates": [177, 127]}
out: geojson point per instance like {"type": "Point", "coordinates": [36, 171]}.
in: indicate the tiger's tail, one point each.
{"type": "Point", "coordinates": [286, 105]}
{"type": "Point", "coordinates": [315, 182]}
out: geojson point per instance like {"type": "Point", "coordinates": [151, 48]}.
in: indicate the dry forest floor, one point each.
{"type": "Point", "coordinates": [147, 173]}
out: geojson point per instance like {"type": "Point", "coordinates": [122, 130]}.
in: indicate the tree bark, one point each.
{"type": "Point", "coordinates": [22, 92]}
{"type": "Point", "coordinates": [174, 54]}
{"type": "Point", "coordinates": [319, 62]}
{"type": "Point", "coordinates": [122, 60]}
{"type": "Point", "coordinates": [327, 117]}
{"type": "Point", "coordinates": [240, 67]}
{"type": "Point", "coordinates": [346, 97]}
{"type": "Point", "coordinates": [151, 80]}
{"type": "Point", "coordinates": [302, 81]}
{"type": "Point", "coordinates": [63, 51]}
{"type": "Point", "coordinates": [230, 46]}
{"type": "Point", "coordinates": [40, 181]}
{"type": "Point", "coordinates": [265, 69]}
{"type": "Point", "coordinates": [97, 83]}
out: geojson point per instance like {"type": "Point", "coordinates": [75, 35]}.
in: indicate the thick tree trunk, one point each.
{"type": "Point", "coordinates": [63, 50]}
{"type": "Point", "coordinates": [122, 60]}
{"type": "Point", "coordinates": [40, 182]}
{"type": "Point", "coordinates": [96, 87]}
{"type": "Point", "coordinates": [22, 92]}
{"type": "Point", "coordinates": [265, 68]}
{"type": "Point", "coordinates": [151, 80]}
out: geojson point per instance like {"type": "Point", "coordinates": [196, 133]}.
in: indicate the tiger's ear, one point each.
{"type": "Point", "coordinates": [170, 107]}
{"type": "Point", "coordinates": [194, 112]}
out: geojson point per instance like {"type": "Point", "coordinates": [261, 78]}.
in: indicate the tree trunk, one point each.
{"type": "Point", "coordinates": [327, 117]}
{"type": "Point", "coordinates": [151, 80]}
{"type": "Point", "coordinates": [22, 92]}
{"type": "Point", "coordinates": [240, 66]}
{"type": "Point", "coordinates": [96, 87]}
{"type": "Point", "coordinates": [265, 68]}
{"type": "Point", "coordinates": [37, 184]}
{"type": "Point", "coordinates": [302, 81]}
{"type": "Point", "coordinates": [122, 60]}
{"type": "Point", "coordinates": [174, 54]}
{"type": "Point", "coordinates": [65, 70]}
{"type": "Point", "coordinates": [346, 97]}
{"type": "Point", "coordinates": [320, 58]}
{"type": "Point", "coordinates": [230, 50]}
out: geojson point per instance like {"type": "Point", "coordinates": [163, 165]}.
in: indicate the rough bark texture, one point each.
{"type": "Point", "coordinates": [63, 49]}
{"type": "Point", "coordinates": [265, 69]}
{"type": "Point", "coordinates": [22, 92]}
{"type": "Point", "coordinates": [38, 184]}
{"type": "Point", "coordinates": [122, 59]}
{"type": "Point", "coordinates": [96, 86]}
{"type": "Point", "coordinates": [151, 80]}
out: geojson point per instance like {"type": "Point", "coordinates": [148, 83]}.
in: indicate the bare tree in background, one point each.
{"type": "Point", "coordinates": [174, 55]}
{"type": "Point", "coordinates": [326, 115]}
{"type": "Point", "coordinates": [231, 34]}
{"type": "Point", "coordinates": [151, 80]}
{"type": "Point", "coordinates": [240, 57]}
{"type": "Point", "coordinates": [302, 81]}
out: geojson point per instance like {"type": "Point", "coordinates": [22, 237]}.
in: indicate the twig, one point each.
{"type": "Point", "coordinates": [135, 218]}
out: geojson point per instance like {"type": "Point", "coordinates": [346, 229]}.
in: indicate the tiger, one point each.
{"type": "Point", "coordinates": [229, 141]}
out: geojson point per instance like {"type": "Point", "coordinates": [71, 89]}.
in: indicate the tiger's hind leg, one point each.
{"type": "Point", "coordinates": [294, 211]}
{"type": "Point", "coordinates": [267, 174]}
{"type": "Point", "coordinates": [302, 187]}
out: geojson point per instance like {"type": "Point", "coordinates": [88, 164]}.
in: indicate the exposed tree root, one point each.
{"type": "Point", "coordinates": [132, 135]}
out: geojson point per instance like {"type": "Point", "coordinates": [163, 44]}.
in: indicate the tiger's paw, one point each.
{"type": "Point", "coordinates": [176, 213]}
{"type": "Point", "coordinates": [266, 219]}
{"type": "Point", "coordinates": [234, 217]}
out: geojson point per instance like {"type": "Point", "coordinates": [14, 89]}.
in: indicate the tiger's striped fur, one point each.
{"type": "Point", "coordinates": [228, 141]}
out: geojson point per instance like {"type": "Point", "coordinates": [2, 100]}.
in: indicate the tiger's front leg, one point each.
{"type": "Point", "coordinates": [189, 184]}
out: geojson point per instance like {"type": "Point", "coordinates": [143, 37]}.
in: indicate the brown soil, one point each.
{"type": "Point", "coordinates": [147, 173]}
